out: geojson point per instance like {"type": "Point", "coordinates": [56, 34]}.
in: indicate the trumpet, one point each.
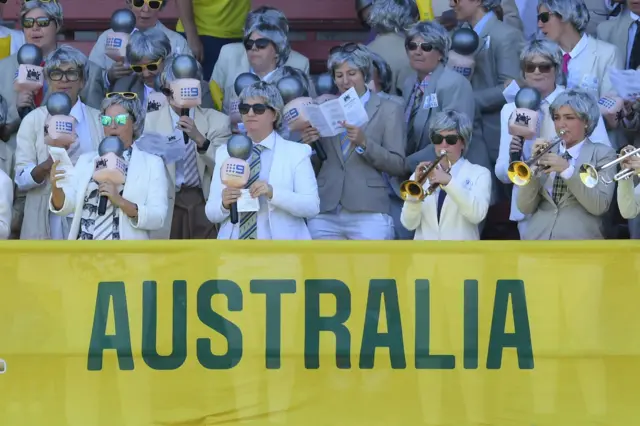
{"type": "Point", "coordinates": [590, 174]}
{"type": "Point", "coordinates": [520, 172]}
{"type": "Point", "coordinates": [412, 190]}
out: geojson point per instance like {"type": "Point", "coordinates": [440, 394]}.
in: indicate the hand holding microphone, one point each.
{"type": "Point", "coordinates": [29, 77]}
{"type": "Point", "coordinates": [523, 122]}
{"type": "Point", "coordinates": [235, 172]}
{"type": "Point", "coordinates": [60, 127]}
{"type": "Point", "coordinates": [185, 89]}
{"type": "Point", "coordinates": [110, 170]}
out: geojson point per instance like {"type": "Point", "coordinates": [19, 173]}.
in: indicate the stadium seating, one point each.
{"type": "Point", "coordinates": [316, 25]}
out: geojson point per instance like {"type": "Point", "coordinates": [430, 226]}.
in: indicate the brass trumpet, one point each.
{"type": "Point", "coordinates": [521, 172]}
{"type": "Point", "coordinates": [590, 174]}
{"type": "Point", "coordinates": [412, 190]}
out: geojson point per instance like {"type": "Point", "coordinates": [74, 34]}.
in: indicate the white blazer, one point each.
{"type": "Point", "coordinates": [628, 199]}
{"type": "Point", "coordinates": [146, 186]}
{"type": "Point", "coordinates": [295, 192]}
{"type": "Point", "coordinates": [6, 203]}
{"type": "Point", "coordinates": [466, 205]}
{"type": "Point", "coordinates": [590, 69]}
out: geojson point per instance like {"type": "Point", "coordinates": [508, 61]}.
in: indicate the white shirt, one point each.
{"type": "Point", "coordinates": [17, 38]}
{"type": "Point", "coordinates": [266, 159]}
{"type": "Point", "coordinates": [82, 145]}
{"type": "Point", "coordinates": [574, 151]}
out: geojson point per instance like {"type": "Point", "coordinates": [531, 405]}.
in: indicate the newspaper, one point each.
{"type": "Point", "coordinates": [328, 117]}
{"type": "Point", "coordinates": [626, 82]}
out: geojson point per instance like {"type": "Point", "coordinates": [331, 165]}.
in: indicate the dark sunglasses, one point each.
{"type": "Point", "coordinates": [153, 4]}
{"type": "Point", "coordinates": [41, 22]}
{"type": "Point", "coordinates": [412, 45]}
{"type": "Point", "coordinates": [344, 48]}
{"type": "Point", "coordinates": [57, 74]}
{"type": "Point", "coordinates": [126, 95]}
{"type": "Point", "coordinates": [258, 109]}
{"type": "Point", "coordinates": [153, 66]}
{"type": "Point", "coordinates": [545, 68]}
{"type": "Point", "coordinates": [545, 16]}
{"type": "Point", "coordinates": [437, 139]}
{"type": "Point", "coordinates": [120, 120]}
{"type": "Point", "coordinates": [260, 43]}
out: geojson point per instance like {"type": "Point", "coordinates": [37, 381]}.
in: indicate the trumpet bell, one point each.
{"type": "Point", "coordinates": [519, 173]}
{"type": "Point", "coordinates": [589, 175]}
{"type": "Point", "coordinates": [411, 190]}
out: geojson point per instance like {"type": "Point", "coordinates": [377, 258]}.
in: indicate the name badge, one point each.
{"type": "Point", "coordinates": [430, 101]}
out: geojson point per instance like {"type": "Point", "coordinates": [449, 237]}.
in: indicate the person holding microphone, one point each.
{"type": "Point", "coordinates": [281, 191]}
{"type": "Point", "coordinates": [132, 211]}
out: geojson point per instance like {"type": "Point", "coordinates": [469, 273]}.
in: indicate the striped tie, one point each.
{"type": "Point", "coordinates": [248, 220]}
{"type": "Point", "coordinates": [559, 185]}
{"type": "Point", "coordinates": [191, 176]}
{"type": "Point", "coordinates": [345, 144]}
{"type": "Point", "coordinates": [103, 229]}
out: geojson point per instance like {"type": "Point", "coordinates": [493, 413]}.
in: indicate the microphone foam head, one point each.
{"type": "Point", "coordinates": [59, 103]}
{"type": "Point", "coordinates": [239, 146]}
{"type": "Point", "coordinates": [528, 98]}
{"type": "Point", "coordinates": [464, 41]}
{"type": "Point", "coordinates": [290, 88]}
{"type": "Point", "coordinates": [111, 144]}
{"type": "Point", "coordinates": [325, 85]}
{"type": "Point", "coordinates": [184, 66]}
{"type": "Point", "coordinates": [123, 21]}
{"type": "Point", "coordinates": [245, 79]}
{"type": "Point", "coordinates": [30, 54]}
{"type": "Point", "coordinates": [362, 5]}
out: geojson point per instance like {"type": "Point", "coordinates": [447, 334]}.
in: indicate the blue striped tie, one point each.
{"type": "Point", "coordinates": [345, 144]}
{"type": "Point", "coordinates": [249, 220]}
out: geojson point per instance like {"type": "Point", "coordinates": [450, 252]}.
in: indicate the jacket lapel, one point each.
{"type": "Point", "coordinates": [585, 157]}
{"type": "Point", "coordinates": [165, 127]}
{"type": "Point", "coordinates": [621, 34]}
{"type": "Point", "coordinates": [201, 123]}
{"type": "Point", "coordinates": [371, 107]}
{"type": "Point", "coordinates": [133, 175]}
{"type": "Point", "coordinates": [97, 133]}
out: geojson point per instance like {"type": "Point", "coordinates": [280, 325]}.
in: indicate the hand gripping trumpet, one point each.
{"type": "Point", "coordinates": [412, 190]}
{"type": "Point", "coordinates": [590, 174]}
{"type": "Point", "coordinates": [521, 172]}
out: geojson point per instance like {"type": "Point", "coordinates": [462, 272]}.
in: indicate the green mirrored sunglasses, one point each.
{"type": "Point", "coordinates": [120, 119]}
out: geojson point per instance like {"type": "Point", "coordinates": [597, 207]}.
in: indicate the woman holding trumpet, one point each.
{"type": "Point", "coordinates": [447, 199]}
{"type": "Point", "coordinates": [561, 206]}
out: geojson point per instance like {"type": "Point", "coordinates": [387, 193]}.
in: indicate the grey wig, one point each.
{"type": "Point", "coordinates": [132, 106]}
{"type": "Point", "coordinates": [452, 121]}
{"type": "Point", "coordinates": [392, 16]}
{"type": "Point", "coordinates": [67, 55]}
{"type": "Point", "coordinates": [151, 44]}
{"type": "Point", "coordinates": [359, 59]}
{"type": "Point", "coordinates": [276, 36]}
{"type": "Point", "coordinates": [583, 103]}
{"type": "Point", "coordinates": [548, 50]}
{"type": "Point", "coordinates": [269, 94]}
{"type": "Point", "coordinates": [572, 11]}
{"type": "Point", "coordinates": [269, 15]}
{"type": "Point", "coordinates": [52, 9]}
{"type": "Point", "coordinates": [434, 34]}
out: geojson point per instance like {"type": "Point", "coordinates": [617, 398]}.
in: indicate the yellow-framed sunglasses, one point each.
{"type": "Point", "coordinates": [153, 4]}
{"type": "Point", "coordinates": [152, 67]}
{"type": "Point", "coordinates": [126, 95]}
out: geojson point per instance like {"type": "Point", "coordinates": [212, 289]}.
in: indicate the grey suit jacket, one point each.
{"type": "Point", "coordinates": [577, 215]}
{"type": "Point", "coordinates": [391, 48]}
{"type": "Point", "coordinates": [133, 83]}
{"type": "Point", "coordinates": [497, 60]}
{"type": "Point", "coordinates": [357, 182]}
{"type": "Point", "coordinates": [511, 14]}
{"type": "Point", "coordinates": [616, 32]}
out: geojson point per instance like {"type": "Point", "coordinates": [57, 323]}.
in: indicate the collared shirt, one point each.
{"type": "Point", "coordinates": [267, 77]}
{"type": "Point", "coordinates": [633, 29]}
{"type": "Point", "coordinates": [575, 73]}
{"type": "Point", "coordinates": [266, 160]}
{"type": "Point", "coordinates": [180, 137]}
{"type": "Point", "coordinates": [482, 22]}
{"type": "Point", "coordinates": [574, 151]}
{"type": "Point", "coordinates": [455, 169]}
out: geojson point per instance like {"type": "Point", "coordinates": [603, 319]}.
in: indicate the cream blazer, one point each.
{"type": "Point", "coordinates": [628, 199]}
{"type": "Point", "coordinates": [295, 192]}
{"type": "Point", "coordinates": [146, 186]}
{"type": "Point", "coordinates": [31, 149]}
{"type": "Point", "coordinates": [6, 203]}
{"type": "Point", "coordinates": [233, 61]}
{"type": "Point", "coordinates": [215, 126]}
{"type": "Point", "coordinates": [466, 205]}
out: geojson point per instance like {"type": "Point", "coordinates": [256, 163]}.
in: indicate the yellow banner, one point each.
{"type": "Point", "coordinates": [315, 334]}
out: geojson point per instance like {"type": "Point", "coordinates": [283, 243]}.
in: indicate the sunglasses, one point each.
{"type": "Point", "coordinates": [545, 16]}
{"type": "Point", "coordinates": [260, 43]}
{"type": "Point", "coordinates": [152, 67]}
{"type": "Point", "coordinates": [437, 139]}
{"type": "Point", "coordinates": [412, 45]}
{"type": "Point", "coordinates": [258, 109]}
{"type": "Point", "coordinates": [126, 95]}
{"type": "Point", "coordinates": [544, 68]}
{"type": "Point", "coordinates": [41, 22]}
{"type": "Point", "coordinates": [153, 4]}
{"type": "Point", "coordinates": [344, 48]}
{"type": "Point", "coordinates": [120, 120]}
{"type": "Point", "coordinates": [56, 74]}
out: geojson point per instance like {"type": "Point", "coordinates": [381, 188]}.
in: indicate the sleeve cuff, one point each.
{"type": "Point", "coordinates": [24, 180]}
{"type": "Point", "coordinates": [568, 173]}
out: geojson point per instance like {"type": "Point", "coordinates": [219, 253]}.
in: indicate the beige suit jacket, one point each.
{"type": "Point", "coordinates": [391, 48]}
{"type": "Point", "coordinates": [233, 61]}
{"type": "Point", "coordinates": [91, 95]}
{"type": "Point", "coordinates": [616, 32]}
{"type": "Point", "coordinates": [357, 182]}
{"type": "Point", "coordinates": [578, 214]}
{"type": "Point", "coordinates": [31, 149]}
{"type": "Point", "coordinates": [215, 126]}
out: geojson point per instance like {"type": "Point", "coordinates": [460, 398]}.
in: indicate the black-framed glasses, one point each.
{"type": "Point", "coordinates": [259, 43]}
{"type": "Point", "coordinates": [41, 22]}
{"type": "Point", "coordinates": [413, 45]}
{"type": "Point", "coordinates": [152, 67]}
{"type": "Point", "coordinates": [544, 68]}
{"type": "Point", "coordinates": [73, 74]}
{"type": "Point", "coordinates": [153, 4]}
{"type": "Point", "coordinates": [345, 48]}
{"type": "Point", "coordinates": [258, 109]}
{"type": "Point", "coordinates": [545, 16]}
{"type": "Point", "coordinates": [437, 139]}
{"type": "Point", "coordinates": [119, 120]}
{"type": "Point", "coordinates": [126, 95]}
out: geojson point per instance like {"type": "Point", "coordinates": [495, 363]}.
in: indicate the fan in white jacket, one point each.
{"type": "Point", "coordinates": [463, 190]}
